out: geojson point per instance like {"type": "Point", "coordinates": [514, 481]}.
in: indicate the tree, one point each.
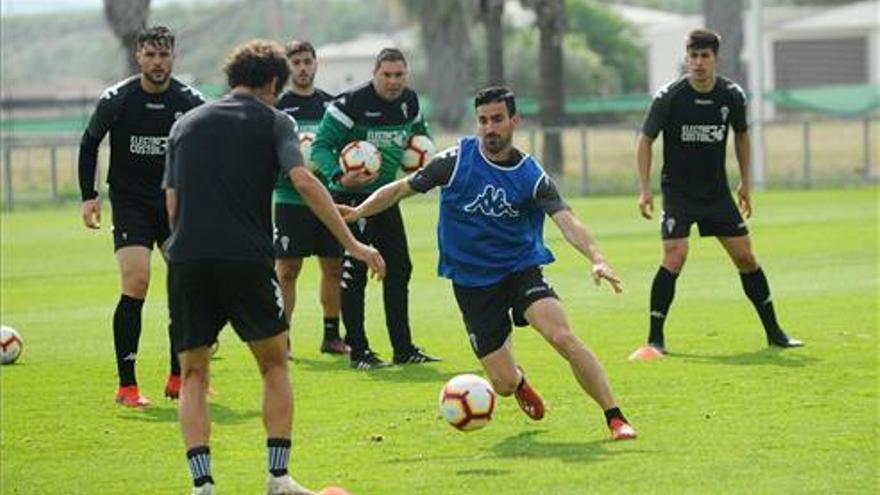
{"type": "Point", "coordinates": [126, 19]}
{"type": "Point", "coordinates": [444, 38]}
{"type": "Point", "coordinates": [489, 13]}
{"type": "Point", "coordinates": [550, 18]}
{"type": "Point", "coordinates": [725, 18]}
{"type": "Point", "coordinates": [611, 38]}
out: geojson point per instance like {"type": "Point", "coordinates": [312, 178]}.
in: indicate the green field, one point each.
{"type": "Point", "coordinates": [722, 414]}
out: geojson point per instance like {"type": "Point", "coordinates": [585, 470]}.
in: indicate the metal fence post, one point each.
{"type": "Point", "coordinates": [806, 165]}
{"type": "Point", "coordinates": [869, 153]}
{"type": "Point", "coordinates": [532, 144]}
{"type": "Point", "coordinates": [585, 162]}
{"type": "Point", "coordinates": [53, 171]}
{"type": "Point", "coordinates": [7, 170]}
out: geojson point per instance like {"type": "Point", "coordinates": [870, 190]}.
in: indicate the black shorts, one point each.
{"type": "Point", "coordinates": [487, 311]}
{"type": "Point", "coordinates": [300, 234]}
{"type": "Point", "coordinates": [138, 223]}
{"type": "Point", "coordinates": [719, 218]}
{"type": "Point", "coordinates": [204, 295]}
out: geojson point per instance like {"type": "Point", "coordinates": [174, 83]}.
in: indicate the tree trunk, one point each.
{"type": "Point", "coordinates": [725, 18]}
{"type": "Point", "coordinates": [445, 41]}
{"type": "Point", "coordinates": [490, 13]}
{"type": "Point", "coordinates": [551, 24]}
{"type": "Point", "coordinates": [127, 18]}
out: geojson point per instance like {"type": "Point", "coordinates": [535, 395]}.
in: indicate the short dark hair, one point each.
{"type": "Point", "coordinates": [255, 63]}
{"type": "Point", "coordinates": [494, 94]}
{"type": "Point", "coordinates": [156, 36]}
{"type": "Point", "coordinates": [296, 46]}
{"type": "Point", "coordinates": [389, 54]}
{"type": "Point", "coordinates": [699, 39]}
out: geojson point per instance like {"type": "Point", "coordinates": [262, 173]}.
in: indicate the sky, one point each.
{"type": "Point", "coordinates": [16, 7]}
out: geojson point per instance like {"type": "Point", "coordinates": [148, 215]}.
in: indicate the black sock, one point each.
{"type": "Point", "coordinates": [126, 334]}
{"type": "Point", "coordinates": [175, 363]}
{"type": "Point", "coordinates": [199, 460]}
{"type": "Point", "coordinates": [662, 293]}
{"type": "Point", "coordinates": [758, 291]}
{"type": "Point", "coordinates": [279, 455]}
{"type": "Point", "coordinates": [331, 328]}
{"type": "Point", "coordinates": [612, 413]}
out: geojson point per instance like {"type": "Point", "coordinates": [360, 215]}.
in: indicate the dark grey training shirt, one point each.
{"type": "Point", "coordinates": [223, 159]}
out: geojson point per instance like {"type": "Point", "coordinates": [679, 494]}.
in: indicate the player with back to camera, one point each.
{"type": "Point", "coordinates": [493, 200]}
{"type": "Point", "coordinates": [222, 165]}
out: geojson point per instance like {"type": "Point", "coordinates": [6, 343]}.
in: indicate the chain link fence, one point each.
{"type": "Point", "coordinates": [40, 169]}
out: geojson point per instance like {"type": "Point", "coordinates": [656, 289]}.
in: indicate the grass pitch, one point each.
{"type": "Point", "coordinates": [722, 414]}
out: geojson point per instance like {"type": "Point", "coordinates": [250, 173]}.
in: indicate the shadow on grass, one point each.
{"type": "Point", "coordinates": [220, 414]}
{"type": "Point", "coordinates": [407, 373]}
{"type": "Point", "coordinates": [414, 373]}
{"type": "Point", "coordinates": [527, 445]}
{"type": "Point", "coordinates": [329, 364]}
{"type": "Point", "coordinates": [773, 356]}
{"type": "Point", "coordinates": [482, 472]}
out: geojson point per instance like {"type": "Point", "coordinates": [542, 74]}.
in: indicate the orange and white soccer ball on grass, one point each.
{"type": "Point", "coordinates": [10, 345]}
{"type": "Point", "coordinates": [467, 402]}
{"type": "Point", "coordinates": [419, 151]}
{"type": "Point", "coordinates": [360, 155]}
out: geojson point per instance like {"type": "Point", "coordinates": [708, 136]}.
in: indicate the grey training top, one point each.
{"type": "Point", "coordinates": [223, 160]}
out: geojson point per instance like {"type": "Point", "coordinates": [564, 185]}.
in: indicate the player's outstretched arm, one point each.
{"type": "Point", "coordinates": [576, 233]}
{"type": "Point", "coordinates": [643, 158]}
{"type": "Point", "coordinates": [319, 200]}
{"type": "Point", "coordinates": [381, 199]}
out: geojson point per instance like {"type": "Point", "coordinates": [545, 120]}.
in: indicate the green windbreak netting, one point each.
{"type": "Point", "coordinates": [843, 101]}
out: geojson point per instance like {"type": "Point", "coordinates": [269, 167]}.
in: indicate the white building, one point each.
{"type": "Point", "coordinates": [803, 46]}
{"type": "Point", "coordinates": [346, 64]}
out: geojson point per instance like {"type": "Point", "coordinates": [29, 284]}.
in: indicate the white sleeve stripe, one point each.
{"type": "Point", "coordinates": [340, 116]}
{"type": "Point", "coordinates": [538, 184]}
{"type": "Point", "coordinates": [455, 168]}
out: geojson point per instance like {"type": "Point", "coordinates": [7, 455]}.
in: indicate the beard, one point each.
{"type": "Point", "coordinates": [157, 78]}
{"type": "Point", "coordinates": [495, 143]}
{"type": "Point", "coordinates": [303, 80]}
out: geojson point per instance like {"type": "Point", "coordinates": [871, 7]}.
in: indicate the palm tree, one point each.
{"type": "Point", "coordinates": [489, 12]}
{"type": "Point", "coordinates": [126, 19]}
{"type": "Point", "coordinates": [725, 18]}
{"type": "Point", "coordinates": [550, 18]}
{"type": "Point", "coordinates": [444, 39]}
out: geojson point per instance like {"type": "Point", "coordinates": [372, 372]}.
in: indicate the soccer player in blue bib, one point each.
{"type": "Point", "coordinates": [492, 205]}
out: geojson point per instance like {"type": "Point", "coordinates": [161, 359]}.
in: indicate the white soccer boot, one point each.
{"type": "Point", "coordinates": [285, 485]}
{"type": "Point", "coordinates": [206, 489]}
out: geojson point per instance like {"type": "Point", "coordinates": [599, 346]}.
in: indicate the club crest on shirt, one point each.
{"type": "Point", "coordinates": [724, 112]}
